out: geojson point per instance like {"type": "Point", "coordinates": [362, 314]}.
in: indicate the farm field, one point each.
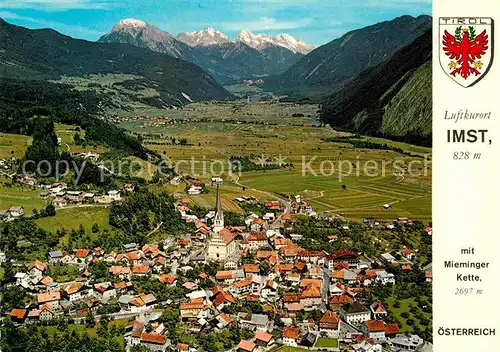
{"type": "Point", "coordinates": [67, 134]}
{"type": "Point", "coordinates": [17, 195]}
{"type": "Point", "coordinates": [12, 145]}
{"type": "Point", "coordinates": [334, 177]}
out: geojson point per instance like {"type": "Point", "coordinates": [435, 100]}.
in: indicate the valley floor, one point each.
{"type": "Point", "coordinates": [334, 177]}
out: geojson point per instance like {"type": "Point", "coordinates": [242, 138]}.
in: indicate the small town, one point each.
{"type": "Point", "coordinates": [223, 287]}
{"type": "Point", "coordinates": [222, 176]}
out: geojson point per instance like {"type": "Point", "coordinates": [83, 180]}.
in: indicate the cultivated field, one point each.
{"type": "Point", "coordinates": [12, 145]}
{"type": "Point", "coordinates": [17, 195]}
{"type": "Point", "coordinates": [72, 217]}
{"type": "Point", "coordinates": [337, 177]}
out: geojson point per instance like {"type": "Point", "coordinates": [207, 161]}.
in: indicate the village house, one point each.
{"type": "Point", "coordinates": [243, 286]}
{"type": "Point", "coordinates": [18, 315]}
{"type": "Point", "coordinates": [329, 324]}
{"type": "Point", "coordinates": [104, 290]}
{"type": "Point", "coordinates": [385, 278]}
{"type": "Point", "coordinates": [316, 258]}
{"type": "Point", "coordinates": [114, 196]}
{"type": "Point", "coordinates": [428, 276]}
{"type": "Point", "coordinates": [155, 342]}
{"type": "Point", "coordinates": [343, 255]}
{"type": "Point", "coordinates": [406, 343]}
{"type": "Point", "coordinates": [246, 346]}
{"type": "Point", "coordinates": [255, 240]}
{"type": "Point", "coordinates": [55, 257]}
{"type": "Point", "coordinates": [16, 211]}
{"type": "Point", "coordinates": [51, 299]}
{"type": "Point", "coordinates": [408, 254]}
{"type": "Point", "coordinates": [378, 311]}
{"type": "Point", "coordinates": [76, 291]}
{"type": "Point", "coordinates": [374, 329]}
{"type": "Point", "coordinates": [45, 313]}
{"type": "Point", "coordinates": [255, 322]}
{"type": "Point", "coordinates": [269, 290]}
{"type": "Point", "coordinates": [193, 310]}
{"type": "Point", "coordinates": [388, 258]}
{"type": "Point", "coordinates": [123, 272]}
{"type": "Point", "coordinates": [83, 255]}
{"type": "Point", "coordinates": [367, 346]}
{"type": "Point", "coordinates": [290, 336]}
{"type": "Point", "coordinates": [229, 276]}
{"type": "Point", "coordinates": [36, 270]}
{"type": "Point", "coordinates": [263, 339]}
{"type": "Point", "coordinates": [354, 313]}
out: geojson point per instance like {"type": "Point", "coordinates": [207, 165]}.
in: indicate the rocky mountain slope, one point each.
{"type": "Point", "coordinates": [331, 66]}
{"type": "Point", "coordinates": [249, 56]}
{"type": "Point", "coordinates": [47, 54]}
{"type": "Point", "coordinates": [392, 99]}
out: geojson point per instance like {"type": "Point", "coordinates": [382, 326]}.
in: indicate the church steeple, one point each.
{"type": "Point", "coordinates": [219, 216]}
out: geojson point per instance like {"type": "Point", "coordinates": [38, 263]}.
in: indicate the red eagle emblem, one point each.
{"type": "Point", "coordinates": [464, 49]}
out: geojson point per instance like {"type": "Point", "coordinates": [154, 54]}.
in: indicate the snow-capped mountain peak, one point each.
{"type": "Point", "coordinates": [143, 34]}
{"type": "Point", "coordinates": [260, 41]}
{"type": "Point", "coordinates": [207, 36]}
{"type": "Point", "coordinates": [129, 23]}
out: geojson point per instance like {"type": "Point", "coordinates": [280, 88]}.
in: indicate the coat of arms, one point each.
{"type": "Point", "coordinates": [466, 48]}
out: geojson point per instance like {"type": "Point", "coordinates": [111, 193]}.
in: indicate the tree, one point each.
{"type": "Point", "coordinates": [89, 320]}
{"type": "Point", "coordinates": [50, 210]}
{"type": "Point", "coordinates": [95, 228]}
{"type": "Point", "coordinates": [13, 297]}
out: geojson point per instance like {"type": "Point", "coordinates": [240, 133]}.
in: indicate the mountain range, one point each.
{"type": "Point", "coordinates": [331, 66]}
{"type": "Point", "coordinates": [150, 77]}
{"type": "Point", "coordinates": [374, 80]}
{"type": "Point", "coordinates": [228, 61]}
{"type": "Point", "coordinates": [392, 99]}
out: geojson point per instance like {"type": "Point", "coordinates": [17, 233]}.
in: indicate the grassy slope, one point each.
{"type": "Point", "coordinates": [72, 217]}
{"type": "Point", "coordinates": [12, 143]}
{"type": "Point", "coordinates": [411, 107]}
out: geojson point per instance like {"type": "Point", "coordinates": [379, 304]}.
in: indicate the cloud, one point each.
{"type": "Point", "coordinates": [56, 5]}
{"type": "Point", "coordinates": [61, 27]}
{"type": "Point", "coordinates": [267, 23]}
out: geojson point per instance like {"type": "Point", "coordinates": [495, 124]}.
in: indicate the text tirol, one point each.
{"type": "Point", "coordinates": [464, 20]}
{"type": "Point", "coordinates": [466, 136]}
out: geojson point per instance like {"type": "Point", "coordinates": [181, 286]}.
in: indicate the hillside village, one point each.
{"type": "Point", "coordinates": [256, 282]}
{"type": "Point", "coordinates": [115, 237]}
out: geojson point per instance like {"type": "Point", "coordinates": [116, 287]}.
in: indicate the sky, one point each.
{"type": "Point", "coordinates": [315, 21]}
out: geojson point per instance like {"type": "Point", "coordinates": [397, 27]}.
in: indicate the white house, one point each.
{"type": "Point", "coordinates": [114, 196]}
{"type": "Point", "coordinates": [374, 329]}
{"type": "Point", "coordinates": [355, 313]}
{"type": "Point", "coordinates": [16, 211]}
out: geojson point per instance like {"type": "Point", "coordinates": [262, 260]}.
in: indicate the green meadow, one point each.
{"type": "Point", "coordinates": [333, 177]}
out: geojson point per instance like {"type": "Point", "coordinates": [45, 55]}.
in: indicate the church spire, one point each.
{"type": "Point", "coordinates": [219, 216]}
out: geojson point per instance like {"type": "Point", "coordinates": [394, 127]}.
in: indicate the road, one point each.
{"type": "Point", "coordinates": [325, 288]}
{"type": "Point", "coordinates": [286, 204]}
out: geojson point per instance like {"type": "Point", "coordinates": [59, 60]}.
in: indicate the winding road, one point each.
{"type": "Point", "coordinates": [286, 204]}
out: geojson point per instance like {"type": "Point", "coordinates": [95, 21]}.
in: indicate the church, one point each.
{"type": "Point", "coordinates": [221, 245]}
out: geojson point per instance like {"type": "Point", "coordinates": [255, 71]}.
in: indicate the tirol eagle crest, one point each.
{"type": "Point", "coordinates": [465, 50]}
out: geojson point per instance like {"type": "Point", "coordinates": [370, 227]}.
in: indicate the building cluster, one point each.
{"type": "Point", "coordinates": [262, 264]}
